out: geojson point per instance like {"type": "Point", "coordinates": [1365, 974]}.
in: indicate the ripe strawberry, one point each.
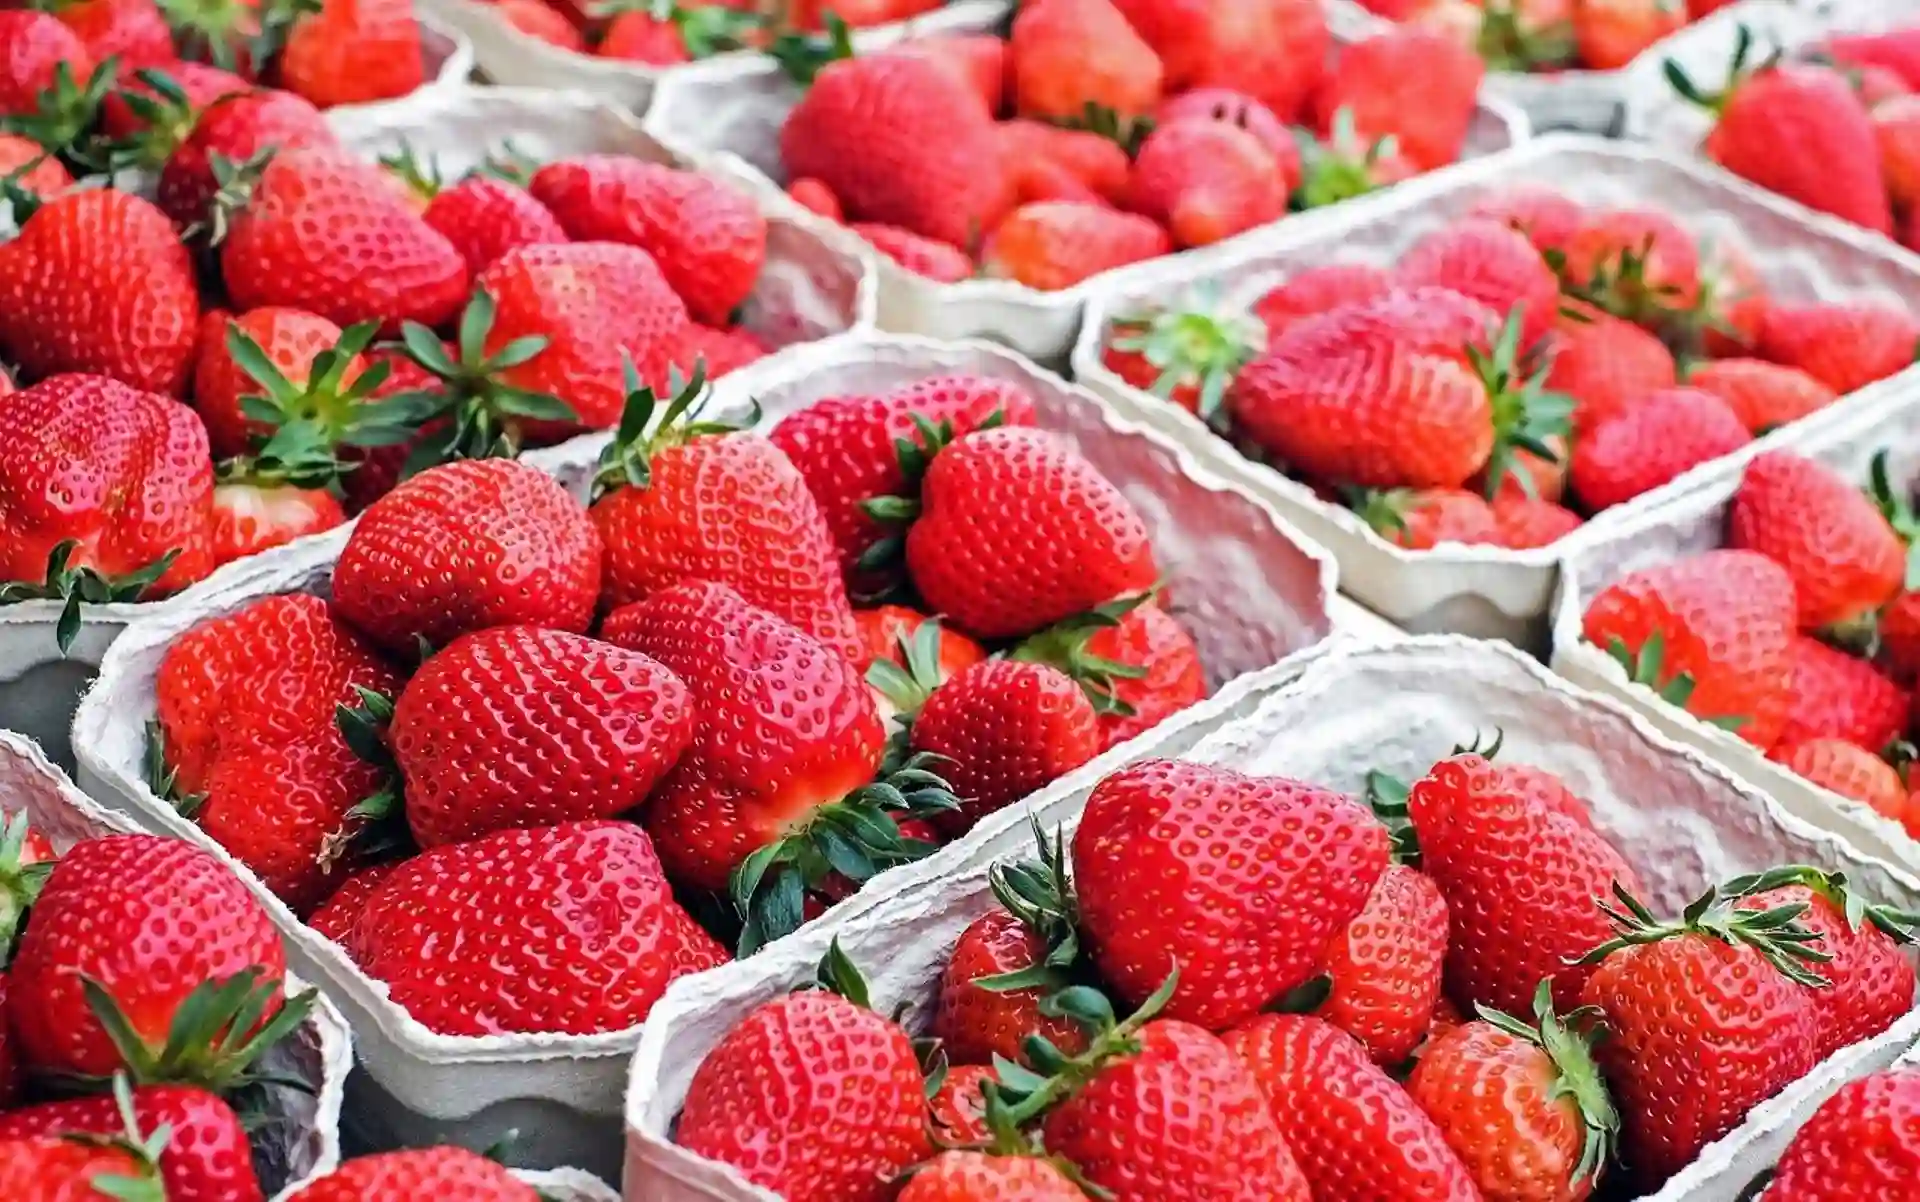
{"type": "Point", "coordinates": [1843, 555]}
{"type": "Point", "coordinates": [250, 517]}
{"type": "Point", "coordinates": [354, 52]}
{"type": "Point", "coordinates": [1845, 347]}
{"type": "Point", "coordinates": [1764, 396]}
{"type": "Point", "coordinates": [1856, 1147]}
{"type": "Point", "coordinates": [566, 929]}
{"type": "Point", "coordinates": [940, 262]}
{"type": "Point", "coordinates": [892, 633]}
{"type": "Point", "coordinates": [538, 19]}
{"type": "Point", "coordinates": [1207, 181]}
{"type": "Point", "coordinates": [1896, 50]}
{"type": "Point", "coordinates": [159, 107]}
{"type": "Point", "coordinates": [67, 306]}
{"type": "Point", "coordinates": [687, 499]}
{"type": "Point", "coordinates": [1153, 828]}
{"type": "Point", "coordinates": [1707, 1016]}
{"type": "Point", "coordinates": [718, 351]}
{"type": "Point", "coordinates": [1845, 768]}
{"type": "Point", "coordinates": [1491, 263]}
{"type": "Point", "coordinates": [1347, 164]}
{"type": "Point", "coordinates": [1607, 365]}
{"type": "Point", "coordinates": [1652, 443]}
{"type": "Point", "coordinates": [46, 1169]}
{"type": "Point", "coordinates": [132, 33]}
{"type": "Point", "coordinates": [900, 141]}
{"type": "Point", "coordinates": [1051, 245]}
{"type": "Point", "coordinates": [206, 1157]}
{"type": "Point", "coordinates": [1521, 1103]}
{"type": "Point", "coordinates": [297, 381]}
{"type": "Point", "coordinates": [1525, 523]}
{"type": "Point", "coordinates": [1421, 519]}
{"type": "Point", "coordinates": [1095, 161]}
{"type": "Point", "coordinates": [1384, 968]}
{"type": "Point", "coordinates": [1068, 56]}
{"type": "Point", "coordinates": [812, 1096]}
{"type": "Point", "coordinates": [1633, 263]}
{"type": "Point", "coordinates": [1896, 126]}
{"type": "Point", "coordinates": [1318, 290]}
{"type": "Point", "coordinates": [1836, 696]}
{"type": "Point", "coordinates": [31, 167]}
{"type": "Point", "coordinates": [36, 47]}
{"type": "Point", "coordinates": [451, 1174]}
{"type": "Point", "coordinates": [957, 1111]}
{"type": "Point", "coordinates": [1356, 1134]}
{"type": "Point", "coordinates": [1138, 664]}
{"type": "Point", "coordinates": [1016, 532]}
{"type": "Point", "coordinates": [846, 449]}
{"type": "Point", "coordinates": [1612, 33]}
{"type": "Point", "coordinates": [1414, 85]}
{"type": "Point", "coordinates": [485, 217]}
{"type": "Point", "coordinates": [340, 913]}
{"type": "Point", "coordinates": [1187, 353]}
{"type": "Point", "coordinates": [466, 546]}
{"type": "Point", "coordinates": [240, 126]}
{"type": "Point", "coordinates": [1229, 107]}
{"type": "Point", "coordinates": [816, 197]}
{"type": "Point", "coordinates": [960, 1176]}
{"type": "Point", "coordinates": [1548, 217]}
{"type": "Point", "coordinates": [1274, 51]}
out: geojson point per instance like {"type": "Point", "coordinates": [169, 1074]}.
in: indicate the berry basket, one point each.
{"type": "Point", "coordinates": [1676, 817]}
{"type": "Point", "coordinates": [1480, 590]}
{"type": "Point", "coordinates": [740, 108]}
{"type": "Point", "coordinates": [299, 1135]}
{"type": "Point", "coordinates": [1259, 598]}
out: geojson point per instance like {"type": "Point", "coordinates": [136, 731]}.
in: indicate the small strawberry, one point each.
{"type": "Point", "coordinates": [1051, 245]}
{"type": "Point", "coordinates": [1857, 1145]}
{"type": "Point", "coordinates": [206, 1157]}
{"type": "Point", "coordinates": [961, 1176]}
{"type": "Point", "coordinates": [1414, 85]}
{"type": "Point", "coordinates": [251, 516]}
{"type": "Point", "coordinates": [451, 1174]}
{"type": "Point", "coordinates": [1421, 519]}
{"type": "Point", "coordinates": [1652, 443]}
{"type": "Point", "coordinates": [242, 126]}
{"type": "Point", "coordinates": [353, 52]}
{"type": "Point", "coordinates": [484, 217]}
{"type": "Point", "coordinates": [1186, 353]}
{"type": "Point", "coordinates": [1547, 216]}
{"type": "Point", "coordinates": [1207, 181]}
{"type": "Point", "coordinates": [1845, 558]}
{"type": "Point", "coordinates": [1612, 33]}
{"type": "Point", "coordinates": [1491, 263]}
{"type": "Point", "coordinates": [1845, 347]}
{"type": "Point", "coordinates": [32, 168]}
{"type": "Point", "coordinates": [892, 633]}
{"type": "Point", "coordinates": [1633, 263]}
{"type": "Point", "coordinates": [1135, 660]}
{"type": "Point", "coordinates": [1319, 290]}
{"type": "Point", "coordinates": [957, 1110]}
{"type": "Point", "coordinates": [1848, 769]}
{"type": "Point", "coordinates": [1764, 396]}
{"type": "Point", "coordinates": [1836, 696]}
{"type": "Point", "coordinates": [37, 47]}
{"type": "Point", "coordinates": [1383, 969]}
{"type": "Point", "coordinates": [538, 19]}
{"type": "Point", "coordinates": [1274, 51]}
{"type": "Point", "coordinates": [1525, 523]}
{"type": "Point", "coordinates": [1098, 162]}
{"type": "Point", "coordinates": [1067, 56]}
{"type": "Point", "coordinates": [816, 197]}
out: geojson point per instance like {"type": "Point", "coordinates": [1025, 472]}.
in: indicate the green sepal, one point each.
{"type": "Point", "coordinates": [1568, 1041]}
{"type": "Point", "coordinates": [163, 778]}
{"type": "Point", "coordinates": [65, 112]}
{"type": "Point", "coordinates": [75, 586]}
{"type": "Point", "coordinates": [1386, 796]}
{"type": "Point", "coordinates": [647, 428]}
{"type": "Point", "coordinates": [218, 1035]}
{"type": "Point", "coordinates": [1199, 339]}
{"type": "Point", "coordinates": [20, 883]}
{"type": "Point", "coordinates": [1064, 646]}
{"type": "Point", "coordinates": [1526, 415]}
{"type": "Point", "coordinates": [1776, 934]}
{"type": "Point", "coordinates": [1901, 926]}
{"type": "Point", "coordinates": [803, 56]}
{"type": "Point", "coordinates": [309, 424]}
{"type": "Point", "coordinates": [1343, 167]}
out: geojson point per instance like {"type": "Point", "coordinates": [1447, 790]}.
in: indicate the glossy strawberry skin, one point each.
{"type": "Point", "coordinates": [449, 1174]}
{"type": "Point", "coordinates": [465, 546]}
{"type": "Point", "coordinates": [957, 1110]}
{"type": "Point", "coordinates": [485, 218]}
{"type": "Point", "coordinates": [812, 1097]}
{"type": "Point", "coordinates": [1845, 347]}
{"type": "Point", "coordinates": [568, 929]}
{"type": "Point", "coordinates": [354, 52]}
{"type": "Point", "coordinates": [1164, 875]}
{"type": "Point", "coordinates": [1491, 263]}
{"type": "Point", "coordinates": [236, 127]}
{"type": "Point", "coordinates": [1018, 532]}
{"type": "Point", "coordinates": [1858, 1146]}
{"type": "Point", "coordinates": [1799, 130]}
{"type": "Point", "coordinates": [1836, 696]}
{"type": "Point", "coordinates": [1006, 729]}
{"type": "Point", "coordinates": [1385, 966]}
{"type": "Point", "coordinates": [1843, 555]}
{"type": "Point", "coordinates": [44, 1169]}
{"type": "Point", "coordinates": [976, 1025]}
{"type": "Point", "coordinates": [960, 1176]}
{"type": "Point", "coordinates": [248, 519]}
{"type": "Point", "coordinates": [336, 918]}
{"type": "Point", "coordinates": [207, 1159]}
{"type": "Point", "coordinates": [1651, 444]}
{"type": "Point", "coordinates": [1606, 365]}
{"type": "Point", "coordinates": [886, 627]}
{"type": "Point", "coordinates": [1150, 638]}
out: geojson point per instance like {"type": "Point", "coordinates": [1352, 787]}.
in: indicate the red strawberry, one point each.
{"type": "Point", "coordinates": [959, 1176]}
{"type": "Point", "coordinates": [1548, 217]}
{"type": "Point", "coordinates": [1319, 290]}
{"type": "Point", "coordinates": [36, 46]}
{"type": "Point", "coordinates": [1207, 181]}
{"type": "Point", "coordinates": [1414, 85]}
{"type": "Point", "coordinates": [1274, 51]}
{"type": "Point", "coordinates": [1095, 161]}
{"type": "Point", "coordinates": [816, 197]}
{"type": "Point", "coordinates": [684, 499]}
{"type": "Point", "coordinates": [1524, 523]}
{"type": "Point", "coordinates": [1612, 33]}
{"type": "Point", "coordinates": [976, 1024]}
{"type": "Point", "coordinates": [239, 125]}
{"type": "Point", "coordinates": [941, 262]}
{"type": "Point", "coordinates": [159, 107]}
{"type": "Point", "coordinates": [31, 167]}
{"type": "Point", "coordinates": [1144, 638]}
{"type": "Point", "coordinates": [467, 546]}
{"type": "Point", "coordinates": [538, 19]}
{"type": "Point", "coordinates": [1845, 768]}
{"type": "Point", "coordinates": [1896, 125]}
{"type": "Point", "coordinates": [67, 306]}
{"type": "Point", "coordinates": [336, 918]}
{"type": "Point", "coordinates": [1230, 108]}
{"type": "Point", "coordinates": [1016, 532]}
{"type": "Point", "coordinates": [291, 342]}
{"type": "Point", "coordinates": [1187, 353]}
{"type": "Point", "coordinates": [1845, 347]}
{"type": "Point", "coordinates": [485, 217]}
{"type": "Point", "coordinates": [1491, 263]}
{"type": "Point", "coordinates": [1066, 56]}
{"type": "Point", "coordinates": [566, 929]}
{"type": "Point", "coordinates": [45, 1169]}
{"type": "Point", "coordinates": [1153, 829]}
{"type": "Point", "coordinates": [1384, 967]}
{"type": "Point", "coordinates": [1856, 1146]}
{"type": "Point", "coordinates": [1843, 555]}
{"type": "Point", "coordinates": [354, 52]}
{"type": "Point", "coordinates": [957, 1110]}
{"type": "Point", "coordinates": [1421, 519]}
{"type": "Point", "coordinates": [1355, 1132]}
{"type": "Point", "coordinates": [1897, 51]}
{"type": "Point", "coordinates": [1764, 396]}
{"type": "Point", "coordinates": [718, 351]}
{"type": "Point", "coordinates": [812, 1096]}
{"type": "Point", "coordinates": [250, 517]}
{"type": "Point", "coordinates": [1633, 263]}
{"type": "Point", "coordinates": [132, 33]}
{"type": "Point", "coordinates": [1055, 244]}
{"type": "Point", "coordinates": [1836, 696]}
{"type": "Point", "coordinates": [978, 59]}
{"type": "Point", "coordinates": [889, 628]}
{"type": "Point", "coordinates": [1733, 301]}
{"type": "Point", "coordinates": [451, 1174]}
{"type": "Point", "coordinates": [206, 1158]}
{"type": "Point", "coordinates": [1652, 443]}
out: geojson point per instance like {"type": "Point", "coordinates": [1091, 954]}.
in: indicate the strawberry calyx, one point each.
{"type": "Point", "coordinates": [483, 413]}
{"type": "Point", "coordinates": [1039, 893]}
{"type": "Point", "coordinates": [234, 182]}
{"type": "Point", "coordinates": [167, 116]}
{"type": "Point", "coordinates": [1526, 416]}
{"type": "Point", "coordinates": [915, 455]}
{"type": "Point", "coordinates": [1342, 167]}
{"type": "Point", "coordinates": [1618, 286]}
{"type": "Point", "coordinates": [1103, 121]}
{"type": "Point", "coordinates": [364, 728]}
{"type": "Point", "coordinates": [1027, 1093]}
{"type": "Point", "coordinates": [1506, 43]}
{"type": "Point", "coordinates": [627, 461]}
{"type": "Point", "coordinates": [854, 838]}
{"type": "Point", "coordinates": [839, 975]}
{"type": "Point", "coordinates": [1064, 646]}
{"type": "Point", "coordinates": [421, 179]}
{"type": "Point", "coordinates": [1901, 926]}
{"type": "Point", "coordinates": [1647, 667]}
{"type": "Point", "coordinates": [22, 875]}
{"type": "Point", "coordinates": [218, 1034]}
{"type": "Point", "coordinates": [145, 1149]}
{"type": "Point", "coordinates": [74, 584]}
{"type": "Point", "coordinates": [705, 29]}
{"type": "Point", "coordinates": [1384, 510]}
{"type": "Point", "coordinates": [1776, 933]}
{"type": "Point", "coordinates": [163, 778]}
{"type": "Point", "coordinates": [1739, 70]}
{"type": "Point", "coordinates": [1386, 795]}
{"type": "Point", "coordinates": [1199, 343]}
{"type": "Point", "coordinates": [65, 111]}
{"type": "Point", "coordinates": [804, 55]}
{"type": "Point", "coordinates": [1568, 1041]}
{"type": "Point", "coordinates": [908, 687]}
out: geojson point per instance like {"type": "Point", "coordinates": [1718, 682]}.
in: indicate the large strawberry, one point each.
{"type": "Point", "coordinates": [1845, 558]}
{"type": "Point", "coordinates": [1383, 969]}
{"type": "Point", "coordinates": [1209, 869]}
{"type": "Point", "coordinates": [206, 1158]}
{"type": "Point", "coordinates": [68, 304]}
{"type": "Point", "coordinates": [1839, 696]}
{"type": "Point", "coordinates": [1857, 1147]}
{"type": "Point", "coordinates": [1066, 56]}
{"type": "Point", "coordinates": [242, 126]}
{"type": "Point", "coordinates": [518, 727]}
{"type": "Point", "coordinates": [812, 1095]}
{"type": "Point", "coordinates": [485, 216]}
{"type": "Point", "coordinates": [1491, 263]}
{"type": "Point", "coordinates": [449, 1174]}
{"type": "Point", "coordinates": [567, 929]}
{"type": "Point", "coordinates": [353, 52]}
{"type": "Point", "coordinates": [1651, 443]}
{"type": "Point", "coordinates": [487, 542]}
{"type": "Point", "coordinates": [1844, 346]}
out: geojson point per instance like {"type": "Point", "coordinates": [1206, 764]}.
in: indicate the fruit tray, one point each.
{"type": "Point", "coordinates": [1257, 595]}
{"type": "Point", "coordinates": [299, 1137]}
{"type": "Point", "coordinates": [807, 290]}
{"type": "Point", "coordinates": [1677, 818]}
{"type": "Point", "coordinates": [1697, 522]}
{"type": "Point", "coordinates": [507, 56]}
{"type": "Point", "coordinates": [741, 107]}
{"type": "Point", "coordinates": [1479, 590]}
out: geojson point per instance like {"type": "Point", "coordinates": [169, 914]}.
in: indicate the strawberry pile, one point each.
{"type": "Point", "coordinates": [1521, 369]}
{"type": "Point", "coordinates": [1837, 130]}
{"type": "Point", "coordinates": [666, 33]}
{"type": "Point", "coordinates": [442, 753]}
{"type": "Point", "coordinates": [1323, 1001]}
{"type": "Point", "coordinates": [1549, 36]}
{"type": "Point", "coordinates": [1801, 634]}
{"type": "Point", "coordinates": [1858, 1146]}
{"type": "Point", "coordinates": [1101, 133]}
{"type": "Point", "coordinates": [139, 994]}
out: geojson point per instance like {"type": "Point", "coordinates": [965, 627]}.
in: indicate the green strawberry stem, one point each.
{"type": "Point", "coordinates": [627, 461]}
{"type": "Point", "coordinates": [1738, 72]}
{"type": "Point", "coordinates": [1898, 925]}
{"type": "Point", "coordinates": [1199, 339]}
{"type": "Point", "coordinates": [1526, 416]}
{"type": "Point", "coordinates": [161, 776]}
{"type": "Point", "coordinates": [383, 813]}
{"type": "Point", "coordinates": [74, 586]}
{"type": "Point", "coordinates": [1507, 45]}
{"type": "Point", "coordinates": [1568, 1041]}
{"type": "Point", "coordinates": [705, 29]}
{"type": "Point", "coordinates": [218, 1035]}
{"type": "Point", "coordinates": [66, 110]}
{"type": "Point", "coordinates": [1775, 933]}
{"type": "Point", "coordinates": [803, 56]}
{"type": "Point", "coordinates": [1055, 1076]}
{"type": "Point", "coordinates": [1040, 894]}
{"type": "Point", "coordinates": [1064, 646]}
{"type": "Point", "coordinates": [914, 455]}
{"type": "Point", "coordinates": [907, 688]}
{"type": "Point", "coordinates": [1896, 505]}
{"type": "Point", "coordinates": [1343, 167]}
{"type": "Point", "coordinates": [1647, 666]}
{"type": "Point", "coordinates": [20, 884]}
{"type": "Point", "coordinates": [855, 837]}
{"type": "Point", "coordinates": [166, 116]}
{"type": "Point", "coordinates": [146, 1150]}
{"type": "Point", "coordinates": [1384, 510]}
{"type": "Point", "coordinates": [1618, 286]}
{"type": "Point", "coordinates": [1106, 122]}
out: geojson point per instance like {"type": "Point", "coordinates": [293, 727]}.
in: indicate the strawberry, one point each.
{"type": "Point", "coordinates": [538, 19]}
{"type": "Point", "coordinates": [1843, 555]}
{"type": "Point", "coordinates": [1016, 531]}
{"type": "Point", "coordinates": [1422, 519]}
{"type": "Point", "coordinates": [1633, 263]}
{"type": "Point", "coordinates": [957, 1110]}
{"type": "Point", "coordinates": [812, 1096]}
{"type": "Point", "coordinates": [900, 141]}
{"type": "Point", "coordinates": [567, 929]}
{"type": "Point", "coordinates": [892, 633]}
{"type": "Point", "coordinates": [354, 52]}
{"type": "Point", "coordinates": [959, 1176]}
{"type": "Point", "coordinates": [816, 197]}
{"type": "Point", "coordinates": [1652, 443]}
{"type": "Point", "coordinates": [1478, 827]}
{"type": "Point", "coordinates": [36, 47]}
{"type": "Point", "coordinates": [941, 262]}
{"type": "Point", "coordinates": [206, 1158]}
{"type": "Point", "coordinates": [327, 233]}
{"type": "Point", "coordinates": [65, 306]}
{"type": "Point", "coordinates": [1414, 85]}
{"type": "Point", "coordinates": [484, 217]}
{"type": "Point", "coordinates": [451, 1174]}
{"type": "Point", "coordinates": [1153, 829]}
{"type": "Point", "coordinates": [1764, 396]}
{"type": "Point", "coordinates": [1896, 126]}
{"type": "Point", "coordinates": [1522, 35]}
{"type": "Point", "coordinates": [1521, 1103]}
{"type": "Point", "coordinates": [1207, 181]}
{"type": "Point", "coordinates": [1845, 768]}
{"type": "Point", "coordinates": [133, 34]}
{"type": "Point", "coordinates": [1318, 290]}
{"type": "Point", "coordinates": [105, 494]}
{"type": "Point", "coordinates": [1134, 659]}
{"type": "Point", "coordinates": [1355, 1132]}
{"type": "Point", "coordinates": [157, 108]}
{"type": "Point", "coordinates": [1383, 968]}
{"type": "Point", "coordinates": [1229, 107]}
{"type": "Point", "coordinates": [1187, 353]}
{"type": "Point", "coordinates": [250, 517]}
{"type": "Point", "coordinates": [1274, 51]}
{"type": "Point", "coordinates": [338, 915]}
{"type": "Point", "coordinates": [1491, 263]}
{"type": "Point", "coordinates": [847, 449]}
{"type": "Point", "coordinates": [1857, 1147]}
{"type": "Point", "coordinates": [1707, 1016]}
{"type": "Point", "coordinates": [662, 33]}
{"type": "Point", "coordinates": [1095, 161]}
{"type": "Point", "coordinates": [1346, 164]}
{"type": "Point", "coordinates": [1896, 50]}
{"type": "Point", "coordinates": [1050, 245]}
{"type": "Point", "coordinates": [977, 59]}
{"type": "Point", "coordinates": [467, 546]}
{"type": "Point", "coordinates": [1796, 129]}
{"type": "Point", "coordinates": [1525, 523]}
{"type": "Point", "coordinates": [1845, 347]}
{"type": "Point", "coordinates": [1612, 33]}
{"type": "Point", "coordinates": [688, 499]}
{"type": "Point", "coordinates": [1067, 57]}
{"type": "Point", "coordinates": [275, 356]}
{"type": "Point", "coordinates": [31, 167]}
{"type": "Point", "coordinates": [241, 126]}
{"type": "Point", "coordinates": [49, 1169]}
{"type": "Point", "coordinates": [1548, 217]}
{"type": "Point", "coordinates": [1836, 696]}
{"type": "Point", "coordinates": [709, 240]}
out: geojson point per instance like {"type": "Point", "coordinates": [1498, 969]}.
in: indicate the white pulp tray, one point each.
{"type": "Point", "coordinates": [1681, 820]}
{"type": "Point", "coordinates": [1490, 591]}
